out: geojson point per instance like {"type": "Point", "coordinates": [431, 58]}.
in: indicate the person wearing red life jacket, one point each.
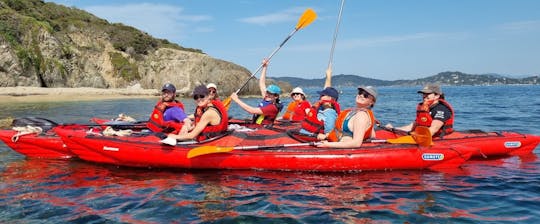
{"type": "Point", "coordinates": [321, 117]}
{"type": "Point", "coordinates": [268, 109]}
{"type": "Point", "coordinates": [433, 112]}
{"type": "Point", "coordinates": [168, 115]}
{"type": "Point", "coordinates": [353, 126]}
{"type": "Point", "coordinates": [298, 107]}
{"type": "Point", "coordinates": [211, 117]}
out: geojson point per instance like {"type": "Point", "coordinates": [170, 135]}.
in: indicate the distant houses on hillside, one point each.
{"type": "Point", "coordinates": [445, 78]}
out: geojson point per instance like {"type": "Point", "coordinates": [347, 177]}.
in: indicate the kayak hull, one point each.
{"type": "Point", "coordinates": [146, 151]}
{"type": "Point", "coordinates": [487, 144]}
{"type": "Point", "coordinates": [44, 146]}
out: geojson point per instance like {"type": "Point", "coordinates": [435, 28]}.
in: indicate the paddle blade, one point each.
{"type": "Point", "coordinates": [402, 140]}
{"type": "Point", "coordinates": [208, 149]}
{"type": "Point", "coordinates": [307, 18]}
{"type": "Point", "coordinates": [422, 135]}
{"type": "Point", "coordinates": [227, 103]}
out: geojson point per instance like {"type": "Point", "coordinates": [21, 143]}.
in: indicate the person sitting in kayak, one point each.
{"type": "Point", "coordinates": [298, 107]}
{"type": "Point", "coordinates": [270, 105]}
{"type": "Point", "coordinates": [212, 89]}
{"type": "Point", "coordinates": [433, 112]}
{"type": "Point", "coordinates": [211, 117]}
{"type": "Point", "coordinates": [321, 117]}
{"type": "Point", "coordinates": [353, 126]}
{"type": "Point", "coordinates": [168, 115]}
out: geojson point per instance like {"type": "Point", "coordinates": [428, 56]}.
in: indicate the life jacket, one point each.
{"type": "Point", "coordinates": [261, 118]}
{"type": "Point", "coordinates": [290, 110]}
{"type": "Point", "coordinates": [337, 133]}
{"type": "Point", "coordinates": [423, 118]}
{"type": "Point", "coordinates": [311, 123]}
{"type": "Point", "coordinates": [211, 131]}
{"type": "Point", "coordinates": [156, 122]}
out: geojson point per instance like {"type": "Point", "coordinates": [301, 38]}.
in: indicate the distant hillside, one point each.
{"type": "Point", "coordinates": [444, 78]}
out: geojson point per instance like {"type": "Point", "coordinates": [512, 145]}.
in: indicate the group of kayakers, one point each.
{"type": "Point", "coordinates": [324, 119]}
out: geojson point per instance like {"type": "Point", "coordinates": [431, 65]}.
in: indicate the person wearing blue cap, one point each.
{"type": "Point", "coordinates": [168, 115]}
{"type": "Point", "coordinates": [321, 117]}
{"type": "Point", "coordinates": [270, 105]}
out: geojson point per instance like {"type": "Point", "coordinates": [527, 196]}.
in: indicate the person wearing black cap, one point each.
{"type": "Point", "coordinates": [353, 126]}
{"type": "Point", "coordinates": [321, 117]}
{"type": "Point", "coordinates": [433, 112]}
{"type": "Point", "coordinates": [211, 119]}
{"type": "Point", "coordinates": [168, 115]}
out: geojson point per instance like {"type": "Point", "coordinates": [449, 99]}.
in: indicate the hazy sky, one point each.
{"type": "Point", "coordinates": [381, 39]}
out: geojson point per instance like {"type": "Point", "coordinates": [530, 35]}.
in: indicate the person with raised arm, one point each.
{"type": "Point", "coordinates": [270, 105]}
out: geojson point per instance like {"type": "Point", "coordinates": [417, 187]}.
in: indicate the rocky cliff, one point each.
{"type": "Point", "coordinates": [48, 45]}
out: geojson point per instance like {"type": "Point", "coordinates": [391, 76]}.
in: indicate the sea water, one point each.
{"type": "Point", "coordinates": [504, 190]}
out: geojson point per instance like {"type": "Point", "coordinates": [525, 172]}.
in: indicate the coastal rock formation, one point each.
{"type": "Point", "coordinates": [48, 45]}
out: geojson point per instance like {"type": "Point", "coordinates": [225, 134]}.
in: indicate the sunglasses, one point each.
{"type": "Point", "coordinates": [212, 91]}
{"type": "Point", "coordinates": [271, 94]}
{"type": "Point", "coordinates": [296, 94]}
{"type": "Point", "coordinates": [363, 93]}
{"type": "Point", "coordinates": [196, 97]}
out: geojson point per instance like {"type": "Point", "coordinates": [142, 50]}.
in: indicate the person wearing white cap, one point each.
{"type": "Point", "coordinates": [212, 89]}
{"type": "Point", "coordinates": [298, 107]}
{"type": "Point", "coordinates": [353, 126]}
{"type": "Point", "coordinates": [433, 112]}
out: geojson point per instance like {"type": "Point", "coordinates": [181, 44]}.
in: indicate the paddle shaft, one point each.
{"type": "Point", "coordinates": [252, 147]}
{"type": "Point", "coordinates": [268, 59]}
{"type": "Point", "coordinates": [335, 35]}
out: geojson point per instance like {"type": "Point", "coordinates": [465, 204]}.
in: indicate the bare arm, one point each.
{"type": "Point", "coordinates": [328, 81]}
{"type": "Point", "coordinates": [436, 125]}
{"type": "Point", "coordinates": [262, 80]}
{"type": "Point", "coordinates": [206, 119]}
{"type": "Point", "coordinates": [248, 108]}
{"type": "Point", "coordinates": [361, 123]}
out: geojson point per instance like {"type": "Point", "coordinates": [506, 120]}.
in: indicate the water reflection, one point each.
{"type": "Point", "coordinates": [91, 192]}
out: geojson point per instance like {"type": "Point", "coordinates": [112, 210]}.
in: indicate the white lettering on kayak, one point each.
{"type": "Point", "coordinates": [511, 145]}
{"type": "Point", "coordinates": [111, 148]}
{"type": "Point", "coordinates": [432, 156]}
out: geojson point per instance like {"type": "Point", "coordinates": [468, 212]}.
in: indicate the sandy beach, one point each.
{"type": "Point", "coordinates": [38, 94]}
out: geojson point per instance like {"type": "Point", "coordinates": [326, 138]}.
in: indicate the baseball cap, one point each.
{"type": "Point", "coordinates": [431, 88]}
{"type": "Point", "coordinates": [329, 91]}
{"type": "Point", "coordinates": [169, 87]}
{"type": "Point", "coordinates": [371, 90]}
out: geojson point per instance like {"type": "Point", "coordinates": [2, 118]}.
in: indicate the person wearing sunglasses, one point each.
{"type": "Point", "coordinates": [212, 89]}
{"type": "Point", "coordinates": [321, 117]}
{"type": "Point", "coordinates": [168, 115]}
{"type": "Point", "coordinates": [433, 112]}
{"type": "Point", "coordinates": [298, 107]}
{"type": "Point", "coordinates": [211, 119]}
{"type": "Point", "coordinates": [353, 126]}
{"type": "Point", "coordinates": [269, 107]}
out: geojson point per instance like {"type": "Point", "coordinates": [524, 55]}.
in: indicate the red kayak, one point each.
{"type": "Point", "coordinates": [44, 145]}
{"type": "Point", "coordinates": [487, 144]}
{"type": "Point", "coordinates": [264, 149]}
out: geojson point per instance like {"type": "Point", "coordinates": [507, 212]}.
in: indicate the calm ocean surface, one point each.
{"type": "Point", "coordinates": [505, 190]}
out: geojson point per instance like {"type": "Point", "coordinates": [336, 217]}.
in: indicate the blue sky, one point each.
{"type": "Point", "coordinates": [381, 39]}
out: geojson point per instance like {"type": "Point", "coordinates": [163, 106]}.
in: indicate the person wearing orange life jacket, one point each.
{"type": "Point", "coordinates": [321, 117]}
{"type": "Point", "coordinates": [297, 109]}
{"type": "Point", "coordinates": [211, 117]}
{"type": "Point", "coordinates": [269, 107]}
{"type": "Point", "coordinates": [433, 112]}
{"type": "Point", "coordinates": [353, 126]}
{"type": "Point", "coordinates": [168, 115]}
